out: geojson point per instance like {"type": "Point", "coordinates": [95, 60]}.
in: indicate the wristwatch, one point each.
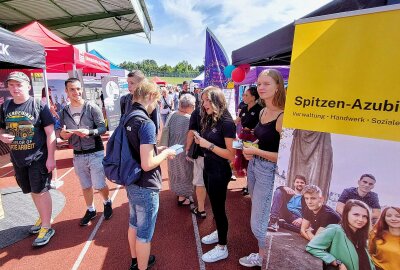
{"type": "Point", "coordinates": [338, 262]}
{"type": "Point", "coordinates": [211, 147]}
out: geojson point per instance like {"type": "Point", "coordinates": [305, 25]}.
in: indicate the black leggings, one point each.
{"type": "Point", "coordinates": [217, 174]}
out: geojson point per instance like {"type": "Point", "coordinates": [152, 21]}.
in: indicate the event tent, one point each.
{"type": "Point", "coordinates": [199, 79]}
{"type": "Point", "coordinates": [157, 80]}
{"type": "Point", "coordinates": [18, 52]}
{"type": "Point", "coordinates": [112, 65]}
{"type": "Point", "coordinates": [251, 76]}
{"type": "Point", "coordinates": [276, 47]}
{"type": "Point", "coordinates": [60, 55]}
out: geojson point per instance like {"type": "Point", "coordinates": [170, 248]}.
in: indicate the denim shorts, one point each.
{"type": "Point", "coordinates": [143, 209]}
{"type": "Point", "coordinates": [89, 168]}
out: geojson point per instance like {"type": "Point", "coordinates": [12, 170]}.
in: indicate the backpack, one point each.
{"type": "Point", "coordinates": [119, 164]}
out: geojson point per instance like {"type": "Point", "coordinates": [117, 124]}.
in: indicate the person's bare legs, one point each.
{"type": "Point", "coordinates": [143, 254]}
{"type": "Point", "coordinates": [201, 194]}
{"type": "Point", "coordinates": [105, 192]}
{"type": "Point", "coordinates": [43, 204]}
{"type": "Point", "coordinates": [132, 241]}
{"type": "Point", "coordinates": [88, 196]}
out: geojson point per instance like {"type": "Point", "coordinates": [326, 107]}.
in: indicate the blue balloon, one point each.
{"type": "Point", "coordinates": [228, 71]}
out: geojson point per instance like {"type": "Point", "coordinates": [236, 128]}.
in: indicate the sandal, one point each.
{"type": "Point", "coordinates": [200, 214]}
{"type": "Point", "coordinates": [184, 202]}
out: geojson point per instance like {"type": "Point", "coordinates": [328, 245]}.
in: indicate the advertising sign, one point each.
{"type": "Point", "coordinates": [111, 94]}
{"type": "Point", "coordinates": [341, 129]}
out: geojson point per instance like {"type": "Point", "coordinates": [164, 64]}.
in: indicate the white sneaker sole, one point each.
{"type": "Point", "coordinates": [211, 260]}
{"type": "Point", "coordinates": [209, 242]}
{"type": "Point", "coordinates": [248, 264]}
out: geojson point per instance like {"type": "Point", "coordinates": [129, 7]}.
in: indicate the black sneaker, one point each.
{"type": "Point", "coordinates": [152, 261]}
{"type": "Point", "coordinates": [89, 215]}
{"type": "Point", "coordinates": [108, 211]}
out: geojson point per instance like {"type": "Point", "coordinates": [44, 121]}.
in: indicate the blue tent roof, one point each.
{"type": "Point", "coordinates": [112, 65]}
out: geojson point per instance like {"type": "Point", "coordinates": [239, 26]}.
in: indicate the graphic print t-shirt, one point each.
{"type": "Point", "coordinates": [21, 121]}
{"type": "Point", "coordinates": [76, 113]}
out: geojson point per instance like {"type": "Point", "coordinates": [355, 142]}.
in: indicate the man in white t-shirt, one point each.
{"type": "Point", "coordinates": [166, 104]}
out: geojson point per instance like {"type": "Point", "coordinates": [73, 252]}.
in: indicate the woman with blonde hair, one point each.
{"type": "Point", "coordinates": [217, 133]}
{"type": "Point", "coordinates": [344, 246]}
{"type": "Point", "coordinates": [384, 240]}
{"type": "Point", "coordinates": [143, 195]}
{"type": "Point", "coordinates": [262, 159]}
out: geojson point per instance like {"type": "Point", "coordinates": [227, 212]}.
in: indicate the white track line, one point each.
{"type": "Point", "coordinates": [92, 235]}
{"type": "Point", "coordinates": [269, 251]}
{"type": "Point", "coordinates": [198, 242]}
{"type": "Point", "coordinates": [67, 172]}
{"type": "Point", "coordinates": [6, 173]}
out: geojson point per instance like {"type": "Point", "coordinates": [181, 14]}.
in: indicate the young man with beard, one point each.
{"type": "Point", "coordinates": [28, 128]}
{"type": "Point", "coordinates": [82, 124]}
{"type": "Point", "coordinates": [317, 215]}
{"type": "Point", "coordinates": [287, 206]}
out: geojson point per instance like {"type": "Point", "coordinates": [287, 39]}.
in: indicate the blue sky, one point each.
{"type": "Point", "coordinates": [179, 28]}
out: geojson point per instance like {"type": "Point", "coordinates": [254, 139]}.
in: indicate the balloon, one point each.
{"type": "Point", "coordinates": [230, 85]}
{"type": "Point", "coordinates": [245, 67]}
{"type": "Point", "coordinates": [228, 71]}
{"type": "Point", "coordinates": [238, 74]}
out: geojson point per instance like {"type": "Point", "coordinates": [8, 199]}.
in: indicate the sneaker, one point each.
{"type": "Point", "coordinates": [152, 261]}
{"type": "Point", "coordinates": [36, 227]}
{"type": "Point", "coordinates": [212, 238]}
{"type": "Point", "coordinates": [44, 237]}
{"type": "Point", "coordinates": [89, 215]}
{"type": "Point", "coordinates": [252, 260]}
{"type": "Point", "coordinates": [216, 254]}
{"type": "Point", "coordinates": [108, 210]}
{"type": "Point", "coordinates": [273, 227]}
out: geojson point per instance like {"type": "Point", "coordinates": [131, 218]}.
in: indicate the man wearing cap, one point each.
{"type": "Point", "coordinates": [28, 127]}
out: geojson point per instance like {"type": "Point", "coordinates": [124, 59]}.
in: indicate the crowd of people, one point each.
{"type": "Point", "coordinates": [356, 235]}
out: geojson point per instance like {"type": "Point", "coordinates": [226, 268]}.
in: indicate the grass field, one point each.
{"type": "Point", "coordinates": [175, 80]}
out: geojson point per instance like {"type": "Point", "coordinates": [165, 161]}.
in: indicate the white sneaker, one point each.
{"type": "Point", "coordinates": [216, 254]}
{"type": "Point", "coordinates": [212, 238]}
{"type": "Point", "coordinates": [252, 260]}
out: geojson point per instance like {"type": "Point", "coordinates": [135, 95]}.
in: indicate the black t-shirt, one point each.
{"type": "Point", "coordinates": [363, 259]}
{"type": "Point", "coordinates": [250, 118]}
{"type": "Point", "coordinates": [194, 124]}
{"type": "Point", "coordinates": [139, 132]}
{"type": "Point", "coordinates": [323, 218]}
{"type": "Point", "coordinates": [23, 121]}
{"type": "Point", "coordinates": [126, 106]}
{"type": "Point", "coordinates": [225, 128]}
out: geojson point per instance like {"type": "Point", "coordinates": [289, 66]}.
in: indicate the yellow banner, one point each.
{"type": "Point", "coordinates": [345, 76]}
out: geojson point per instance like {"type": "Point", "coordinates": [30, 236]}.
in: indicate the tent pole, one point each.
{"type": "Point", "coordinates": [55, 183]}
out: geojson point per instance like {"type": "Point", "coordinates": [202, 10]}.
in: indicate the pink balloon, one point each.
{"type": "Point", "coordinates": [238, 74]}
{"type": "Point", "coordinates": [245, 67]}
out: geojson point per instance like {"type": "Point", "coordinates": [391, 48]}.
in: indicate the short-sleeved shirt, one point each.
{"type": "Point", "coordinates": [126, 106]}
{"type": "Point", "coordinates": [371, 199]}
{"type": "Point", "coordinates": [323, 218]}
{"type": "Point", "coordinates": [22, 121]}
{"type": "Point", "coordinates": [194, 124]}
{"type": "Point", "coordinates": [224, 128]}
{"type": "Point", "coordinates": [139, 132]}
{"type": "Point", "coordinates": [250, 118]}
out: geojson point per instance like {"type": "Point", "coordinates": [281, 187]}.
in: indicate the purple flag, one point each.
{"type": "Point", "coordinates": [215, 62]}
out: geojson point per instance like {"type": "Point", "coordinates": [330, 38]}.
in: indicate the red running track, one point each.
{"type": "Point", "coordinates": [174, 242]}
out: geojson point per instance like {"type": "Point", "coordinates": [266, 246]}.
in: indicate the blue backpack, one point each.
{"type": "Point", "coordinates": [119, 164]}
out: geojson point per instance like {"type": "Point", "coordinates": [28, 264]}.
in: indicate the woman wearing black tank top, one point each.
{"type": "Point", "coordinates": [262, 164]}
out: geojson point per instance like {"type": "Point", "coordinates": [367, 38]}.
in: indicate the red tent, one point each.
{"type": "Point", "coordinates": [60, 55]}
{"type": "Point", "coordinates": [157, 80]}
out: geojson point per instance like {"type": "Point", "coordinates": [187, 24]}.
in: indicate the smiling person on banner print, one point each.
{"type": "Point", "coordinates": [384, 240]}
{"type": "Point", "coordinates": [82, 124]}
{"type": "Point", "coordinates": [28, 127]}
{"type": "Point", "coordinates": [317, 216]}
{"type": "Point", "coordinates": [362, 193]}
{"type": "Point", "coordinates": [344, 246]}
